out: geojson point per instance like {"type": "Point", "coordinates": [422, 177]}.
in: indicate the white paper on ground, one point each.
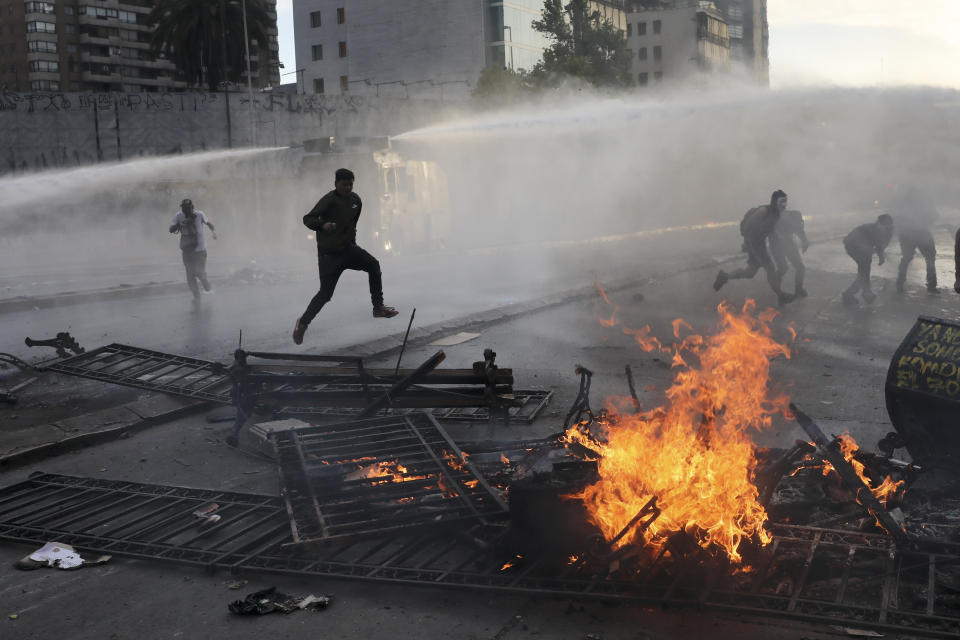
{"type": "Point", "coordinates": [457, 338]}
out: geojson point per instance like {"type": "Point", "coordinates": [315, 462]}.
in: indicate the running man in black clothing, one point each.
{"type": "Point", "coordinates": [861, 243]}
{"type": "Point", "coordinates": [334, 221]}
{"type": "Point", "coordinates": [757, 225]}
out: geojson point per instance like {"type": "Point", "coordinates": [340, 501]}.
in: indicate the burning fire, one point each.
{"type": "Point", "coordinates": [849, 447]}
{"type": "Point", "coordinates": [694, 454]}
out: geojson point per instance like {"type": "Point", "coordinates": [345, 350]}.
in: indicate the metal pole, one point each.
{"type": "Point", "coordinates": [246, 48]}
{"type": "Point", "coordinates": [253, 122]}
{"type": "Point", "coordinates": [223, 67]}
{"type": "Point", "coordinates": [404, 345]}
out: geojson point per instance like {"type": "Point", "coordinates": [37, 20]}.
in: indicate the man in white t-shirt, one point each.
{"type": "Point", "coordinates": [189, 224]}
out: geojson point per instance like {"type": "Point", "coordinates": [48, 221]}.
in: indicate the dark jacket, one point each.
{"type": "Point", "coordinates": [343, 212]}
{"type": "Point", "coordinates": [758, 224]}
{"type": "Point", "coordinates": [956, 254]}
{"type": "Point", "coordinates": [867, 238]}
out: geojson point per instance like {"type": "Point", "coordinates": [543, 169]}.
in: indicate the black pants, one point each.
{"type": "Point", "coordinates": [332, 265]}
{"type": "Point", "coordinates": [757, 258]}
{"type": "Point", "coordinates": [910, 241]}
{"type": "Point", "coordinates": [785, 250]}
{"type": "Point", "coordinates": [196, 266]}
{"type": "Point", "coordinates": [863, 256]}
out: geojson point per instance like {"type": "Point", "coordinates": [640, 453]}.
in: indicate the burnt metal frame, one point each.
{"type": "Point", "coordinates": [206, 380]}
{"type": "Point", "coordinates": [252, 536]}
{"type": "Point", "coordinates": [323, 511]}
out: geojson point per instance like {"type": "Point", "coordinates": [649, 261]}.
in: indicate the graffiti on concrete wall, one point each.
{"type": "Point", "coordinates": [62, 129]}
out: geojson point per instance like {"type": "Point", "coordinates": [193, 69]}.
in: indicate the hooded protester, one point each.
{"type": "Point", "coordinates": [756, 227]}
{"type": "Point", "coordinates": [861, 243]}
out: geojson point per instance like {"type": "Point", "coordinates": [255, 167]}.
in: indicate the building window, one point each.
{"type": "Point", "coordinates": [45, 85]}
{"type": "Point", "coordinates": [317, 51]}
{"type": "Point", "coordinates": [344, 84]}
{"type": "Point", "coordinates": [341, 15]}
{"type": "Point", "coordinates": [641, 28]}
{"type": "Point", "coordinates": [41, 27]}
{"type": "Point", "coordinates": [343, 49]}
{"type": "Point", "coordinates": [49, 66]}
{"type": "Point", "coordinates": [629, 29]}
{"type": "Point", "coordinates": [41, 46]}
{"type": "Point", "coordinates": [318, 85]}
{"type": "Point", "coordinates": [643, 53]}
{"type": "Point", "coordinates": [70, 28]}
{"type": "Point", "coordinates": [658, 52]}
{"type": "Point", "coordinates": [657, 76]}
{"type": "Point", "coordinates": [315, 19]}
{"type": "Point", "coordinates": [39, 7]}
{"type": "Point", "coordinates": [68, 10]}
{"type": "Point", "coordinates": [642, 79]}
{"type": "Point", "coordinates": [656, 26]}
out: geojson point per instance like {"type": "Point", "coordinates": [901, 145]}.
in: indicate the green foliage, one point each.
{"type": "Point", "coordinates": [584, 45]}
{"type": "Point", "coordinates": [500, 85]}
{"type": "Point", "coordinates": [189, 33]}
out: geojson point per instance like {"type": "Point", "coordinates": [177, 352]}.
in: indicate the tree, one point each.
{"type": "Point", "coordinates": [584, 45]}
{"type": "Point", "coordinates": [191, 34]}
{"type": "Point", "coordinates": [503, 86]}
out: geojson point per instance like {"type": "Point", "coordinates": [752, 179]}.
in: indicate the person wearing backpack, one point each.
{"type": "Point", "coordinates": [757, 226]}
{"type": "Point", "coordinates": [189, 223]}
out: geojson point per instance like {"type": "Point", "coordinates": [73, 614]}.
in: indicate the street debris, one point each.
{"type": "Point", "coordinates": [271, 601]}
{"type": "Point", "coordinates": [57, 555]}
{"type": "Point", "coordinates": [206, 514]}
{"type": "Point", "coordinates": [457, 338]}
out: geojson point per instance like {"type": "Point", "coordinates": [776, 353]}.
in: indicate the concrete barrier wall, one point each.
{"type": "Point", "coordinates": [59, 130]}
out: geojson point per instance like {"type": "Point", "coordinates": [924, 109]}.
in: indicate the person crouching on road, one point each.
{"type": "Point", "coordinates": [189, 223]}
{"type": "Point", "coordinates": [334, 221]}
{"type": "Point", "coordinates": [861, 243]}
{"type": "Point", "coordinates": [756, 227]}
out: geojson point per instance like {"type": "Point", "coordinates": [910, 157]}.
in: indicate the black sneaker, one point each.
{"type": "Point", "coordinates": [298, 330]}
{"type": "Point", "coordinates": [721, 280]}
{"type": "Point", "coordinates": [383, 311]}
{"type": "Point", "coordinates": [801, 292]}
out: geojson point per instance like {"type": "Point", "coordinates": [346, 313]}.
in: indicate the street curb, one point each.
{"type": "Point", "coordinates": [121, 292]}
{"type": "Point", "coordinates": [96, 436]}
{"type": "Point", "coordinates": [420, 336]}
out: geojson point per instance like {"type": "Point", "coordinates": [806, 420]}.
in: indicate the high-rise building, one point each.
{"type": "Point", "coordinates": [676, 41]}
{"type": "Point", "coordinates": [417, 47]}
{"type": "Point", "coordinates": [102, 45]}
{"type": "Point", "coordinates": [749, 35]}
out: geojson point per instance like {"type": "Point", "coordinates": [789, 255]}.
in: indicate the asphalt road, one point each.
{"type": "Point", "coordinates": [835, 373]}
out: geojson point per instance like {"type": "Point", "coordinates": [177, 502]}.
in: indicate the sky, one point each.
{"type": "Point", "coordinates": [834, 42]}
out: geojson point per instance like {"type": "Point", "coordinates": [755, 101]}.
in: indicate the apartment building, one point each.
{"type": "Point", "coordinates": [749, 36]}
{"type": "Point", "coordinates": [71, 45]}
{"type": "Point", "coordinates": [418, 47]}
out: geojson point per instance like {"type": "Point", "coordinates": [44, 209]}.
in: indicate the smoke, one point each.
{"type": "Point", "coordinates": [619, 164]}
{"type": "Point", "coordinates": [560, 170]}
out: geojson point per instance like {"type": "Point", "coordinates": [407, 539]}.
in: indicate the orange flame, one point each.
{"type": "Point", "coordinates": [694, 454]}
{"type": "Point", "coordinates": [849, 446]}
